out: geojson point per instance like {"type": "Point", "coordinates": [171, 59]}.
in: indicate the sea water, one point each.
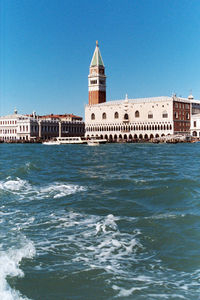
{"type": "Point", "coordinates": [118, 221]}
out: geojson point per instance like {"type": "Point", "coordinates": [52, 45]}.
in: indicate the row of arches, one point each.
{"type": "Point", "coordinates": [128, 137]}
{"type": "Point", "coordinates": [126, 116]}
{"type": "Point", "coordinates": [130, 128]}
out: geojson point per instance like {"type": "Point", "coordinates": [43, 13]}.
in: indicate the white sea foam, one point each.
{"type": "Point", "coordinates": [164, 216]}
{"type": "Point", "coordinates": [14, 185]}
{"type": "Point", "coordinates": [23, 189]}
{"type": "Point", "coordinates": [126, 292]}
{"type": "Point", "coordinates": [10, 266]}
{"type": "Point", "coordinates": [58, 190]}
{"type": "Point", "coordinates": [98, 241]}
{"type": "Point", "coordinates": [107, 225]}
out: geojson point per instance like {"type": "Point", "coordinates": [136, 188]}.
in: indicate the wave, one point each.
{"type": "Point", "coordinates": [14, 185]}
{"type": "Point", "coordinates": [23, 189]}
{"type": "Point", "coordinates": [10, 266]}
{"type": "Point", "coordinates": [58, 190]}
{"type": "Point", "coordinates": [126, 292]}
{"type": "Point", "coordinates": [97, 240]}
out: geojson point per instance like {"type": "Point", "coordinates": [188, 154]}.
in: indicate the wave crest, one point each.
{"type": "Point", "coordinates": [10, 266]}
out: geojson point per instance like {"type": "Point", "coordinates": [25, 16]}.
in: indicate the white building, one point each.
{"type": "Point", "coordinates": [133, 119]}
{"type": "Point", "coordinates": [18, 127]}
{"type": "Point", "coordinates": [195, 125]}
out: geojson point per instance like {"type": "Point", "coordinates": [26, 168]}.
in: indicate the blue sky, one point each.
{"type": "Point", "coordinates": [149, 48]}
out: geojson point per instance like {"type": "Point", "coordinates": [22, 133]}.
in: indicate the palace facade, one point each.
{"type": "Point", "coordinates": [17, 127]}
{"type": "Point", "coordinates": [133, 119]}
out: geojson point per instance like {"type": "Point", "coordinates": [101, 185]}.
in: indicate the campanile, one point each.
{"type": "Point", "coordinates": [97, 79]}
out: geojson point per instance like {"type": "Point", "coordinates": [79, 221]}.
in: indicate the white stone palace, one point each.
{"type": "Point", "coordinates": [133, 119]}
{"type": "Point", "coordinates": [18, 127]}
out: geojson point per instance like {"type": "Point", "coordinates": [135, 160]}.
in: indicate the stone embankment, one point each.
{"type": "Point", "coordinates": [173, 139]}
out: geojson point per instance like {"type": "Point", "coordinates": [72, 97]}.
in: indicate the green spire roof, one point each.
{"type": "Point", "coordinates": [97, 59]}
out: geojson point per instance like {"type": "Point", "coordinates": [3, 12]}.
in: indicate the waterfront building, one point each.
{"type": "Point", "coordinates": [195, 125]}
{"type": "Point", "coordinates": [133, 119]}
{"type": "Point", "coordinates": [18, 127]}
{"type": "Point", "coordinates": [60, 125]}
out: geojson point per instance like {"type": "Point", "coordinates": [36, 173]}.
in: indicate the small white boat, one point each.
{"type": "Point", "coordinates": [93, 143]}
{"type": "Point", "coordinates": [66, 140]}
{"type": "Point", "coordinates": [51, 142]}
{"type": "Point", "coordinates": [71, 140]}
{"type": "Point", "coordinates": [100, 141]}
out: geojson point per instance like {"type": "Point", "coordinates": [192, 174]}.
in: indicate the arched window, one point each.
{"type": "Point", "coordinates": [126, 117]}
{"type": "Point", "coordinates": [137, 114]}
{"type": "Point", "coordinates": [150, 115]}
{"type": "Point", "coordinates": [165, 114]}
{"type": "Point", "coordinates": [104, 116]}
{"type": "Point", "coordinates": [92, 116]}
{"type": "Point", "coordinates": [116, 115]}
{"type": "Point", "coordinates": [194, 133]}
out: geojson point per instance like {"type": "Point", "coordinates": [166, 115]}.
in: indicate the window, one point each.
{"type": "Point", "coordinates": [176, 115]}
{"type": "Point", "coordinates": [116, 115]}
{"type": "Point", "coordinates": [195, 124]}
{"type": "Point", "coordinates": [126, 117]}
{"type": "Point", "coordinates": [92, 116]}
{"type": "Point", "coordinates": [137, 114]}
{"type": "Point", "coordinates": [102, 81]}
{"type": "Point", "coordinates": [104, 116]}
{"type": "Point", "coordinates": [150, 115]}
{"type": "Point", "coordinates": [93, 81]}
{"type": "Point", "coordinates": [165, 114]}
{"type": "Point", "coordinates": [187, 116]}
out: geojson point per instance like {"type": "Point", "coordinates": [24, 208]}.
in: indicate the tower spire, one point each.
{"type": "Point", "coordinates": [97, 78]}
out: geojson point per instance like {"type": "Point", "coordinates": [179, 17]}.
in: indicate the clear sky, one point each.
{"type": "Point", "coordinates": [149, 48]}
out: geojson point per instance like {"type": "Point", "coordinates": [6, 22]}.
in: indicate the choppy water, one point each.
{"type": "Point", "coordinates": [107, 222]}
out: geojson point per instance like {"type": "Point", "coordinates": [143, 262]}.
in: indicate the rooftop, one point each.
{"type": "Point", "coordinates": [97, 59]}
{"type": "Point", "coordinates": [147, 100]}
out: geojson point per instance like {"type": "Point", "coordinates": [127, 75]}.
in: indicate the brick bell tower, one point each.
{"type": "Point", "coordinates": [97, 79]}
